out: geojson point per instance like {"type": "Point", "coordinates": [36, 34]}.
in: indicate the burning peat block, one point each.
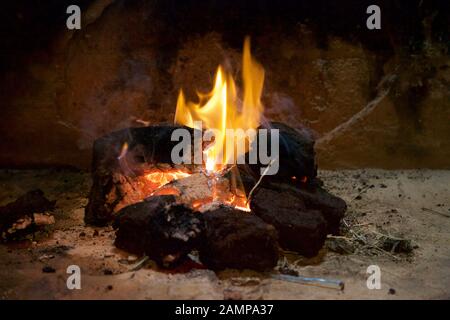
{"type": "Point", "coordinates": [236, 239]}
{"type": "Point", "coordinates": [125, 165]}
{"type": "Point", "coordinates": [160, 228]}
{"type": "Point", "coordinates": [299, 229]}
{"type": "Point", "coordinates": [296, 154]}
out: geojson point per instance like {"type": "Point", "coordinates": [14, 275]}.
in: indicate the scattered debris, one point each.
{"type": "Point", "coordinates": [48, 269]}
{"type": "Point", "coordinates": [391, 291]}
{"type": "Point", "coordinates": [245, 281]}
{"type": "Point", "coordinates": [339, 244]}
{"type": "Point", "coordinates": [46, 257]}
{"type": "Point", "coordinates": [229, 294]}
{"type": "Point", "coordinates": [107, 272]}
{"type": "Point", "coordinates": [24, 215]}
{"type": "Point", "coordinates": [285, 269]}
{"type": "Point", "coordinates": [396, 245]}
{"type": "Point", "coordinates": [140, 263]}
{"type": "Point", "coordinates": [373, 240]}
{"type": "Point", "coordinates": [43, 219]}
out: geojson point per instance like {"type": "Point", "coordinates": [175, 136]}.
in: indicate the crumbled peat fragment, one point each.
{"type": "Point", "coordinates": [396, 245]}
{"type": "Point", "coordinates": [299, 229]}
{"type": "Point", "coordinates": [160, 228]}
{"type": "Point", "coordinates": [48, 269]}
{"type": "Point", "coordinates": [22, 216]}
{"type": "Point", "coordinates": [239, 240]}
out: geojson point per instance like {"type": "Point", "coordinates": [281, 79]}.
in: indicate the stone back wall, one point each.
{"type": "Point", "coordinates": [378, 99]}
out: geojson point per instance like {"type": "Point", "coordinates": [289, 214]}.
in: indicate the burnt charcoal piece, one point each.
{"type": "Point", "coordinates": [158, 227]}
{"type": "Point", "coordinates": [299, 229]}
{"type": "Point", "coordinates": [239, 240]}
{"type": "Point", "coordinates": [315, 197]}
{"type": "Point", "coordinates": [296, 154]}
{"type": "Point", "coordinates": [120, 159]}
{"type": "Point", "coordinates": [24, 207]}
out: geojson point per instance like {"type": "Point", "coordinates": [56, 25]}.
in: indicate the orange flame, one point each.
{"type": "Point", "coordinates": [160, 178]}
{"type": "Point", "coordinates": [221, 109]}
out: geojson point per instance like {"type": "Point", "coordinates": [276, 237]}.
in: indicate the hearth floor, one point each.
{"type": "Point", "coordinates": [411, 204]}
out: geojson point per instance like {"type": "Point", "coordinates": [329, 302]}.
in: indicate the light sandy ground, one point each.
{"type": "Point", "coordinates": [389, 202]}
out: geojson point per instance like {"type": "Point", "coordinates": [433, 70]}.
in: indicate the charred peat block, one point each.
{"type": "Point", "coordinates": [293, 200]}
{"type": "Point", "coordinates": [160, 228]}
{"type": "Point", "coordinates": [239, 240]}
{"type": "Point", "coordinates": [296, 154]}
{"type": "Point", "coordinates": [113, 178]}
{"type": "Point", "coordinates": [300, 229]}
{"type": "Point", "coordinates": [166, 232]}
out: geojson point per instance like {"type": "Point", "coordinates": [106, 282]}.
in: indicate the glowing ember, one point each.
{"type": "Point", "coordinates": [162, 178]}
{"type": "Point", "coordinates": [158, 178]}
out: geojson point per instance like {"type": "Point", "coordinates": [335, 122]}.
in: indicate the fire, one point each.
{"type": "Point", "coordinates": [222, 109]}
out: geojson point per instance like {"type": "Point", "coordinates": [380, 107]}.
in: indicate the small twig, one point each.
{"type": "Point", "coordinates": [338, 237]}
{"type": "Point", "coordinates": [362, 224]}
{"type": "Point", "coordinates": [383, 88]}
{"type": "Point", "coordinates": [139, 264]}
{"type": "Point", "coordinates": [365, 242]}
{"type": "Point", "coordinates": [258, 182]}
{"type": "Point", "coordinates": [436, 212]}
{"type": "Point", "coordinates": [356, 235]}
{"type": "Point", "coordinates": [74, 127]}
{"type": "Point", "coordinates": [363, 190]}
{"type": "Point", "coordinates": [327, 283]}
{"type": "Point", "coordinates": [386, 252]}
{"type": "Point", "coordinates": [387, 236]}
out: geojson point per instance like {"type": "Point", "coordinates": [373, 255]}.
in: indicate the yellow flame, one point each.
{"type": "Point", "coordinates": [160, 178]}
{"type": "Point", "coordinates": [221, 109]}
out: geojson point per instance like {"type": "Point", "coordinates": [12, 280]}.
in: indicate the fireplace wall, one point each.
{"type": "Point", "coordinates": [62, 89]}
